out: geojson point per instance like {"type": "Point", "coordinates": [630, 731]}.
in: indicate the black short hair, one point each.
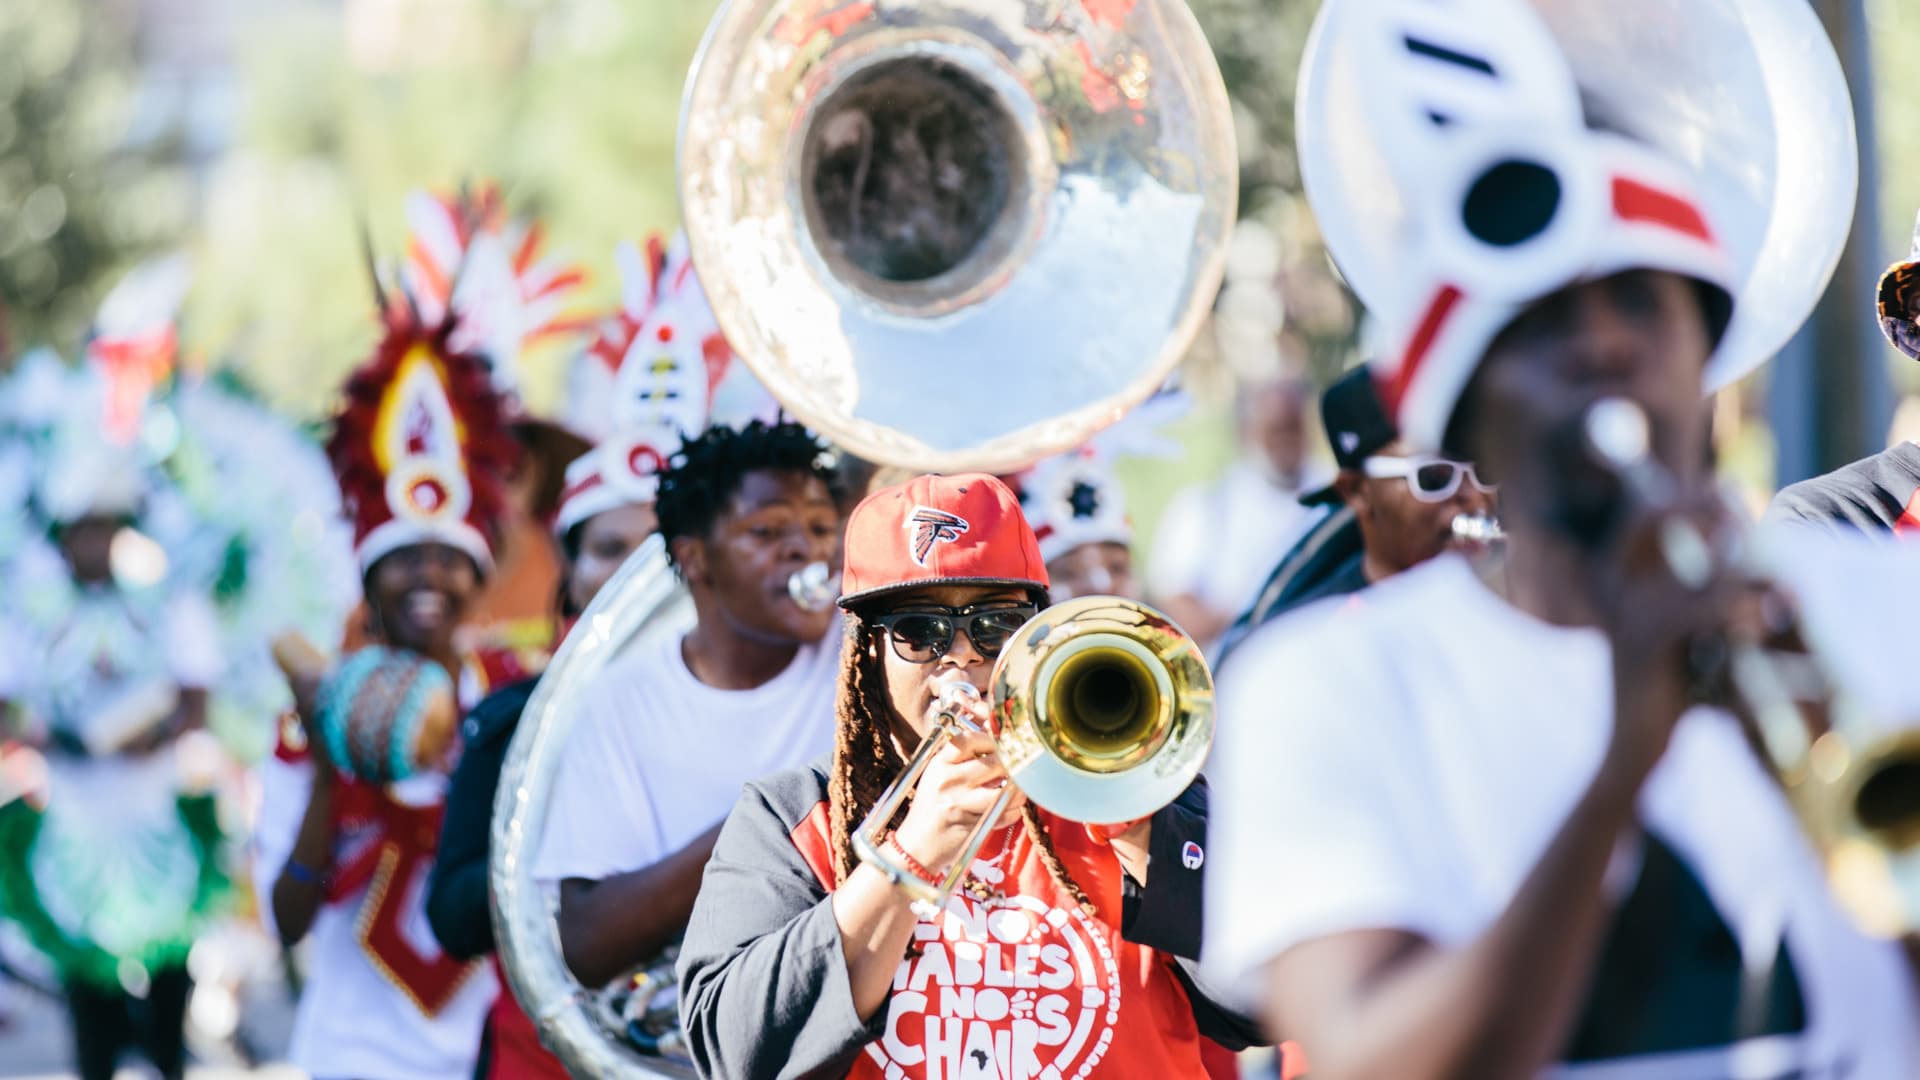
{"type": "Point", "coordinates": [706, 473]}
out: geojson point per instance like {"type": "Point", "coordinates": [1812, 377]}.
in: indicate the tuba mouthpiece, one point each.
{"type": "Point", "coordinates": [814, 587]}
{"type": "Point", "coordinates": [1478, 529]}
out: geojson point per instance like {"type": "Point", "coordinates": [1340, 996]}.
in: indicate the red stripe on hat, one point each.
{"type": "Point", "coordinates": [1438, 311]}
{"type": "Point", "coordinates": [593, 480]}
{"type": "Point", "coordinates": [1635, 201]}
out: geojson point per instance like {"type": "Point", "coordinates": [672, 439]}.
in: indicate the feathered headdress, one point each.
{"type": "Point", "coordinates": [468, 262]}
{"type": "Point", "coordinates": [421, 446]}
{"type": "Point", "coordinates": [89, 419]}
{"type": "Point", "coordinates": [647, 382]}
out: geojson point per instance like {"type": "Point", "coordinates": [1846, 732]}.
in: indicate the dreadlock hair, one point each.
{"type": "Point", "coordinates": [706, 473]}
{"type": "Point", "coordinates": [865, 760]}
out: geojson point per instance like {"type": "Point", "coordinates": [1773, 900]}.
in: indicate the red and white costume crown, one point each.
{"type": "Point", "coordinates": [646, 383]}
{"type": "Point", "coordinates": [1511, 196]}
{"type": "Point", "coordinates": [421, 446]}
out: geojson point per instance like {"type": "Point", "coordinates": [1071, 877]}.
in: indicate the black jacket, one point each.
{"type": "Point", "coordinates": [1872, 495]}
{"type": "Point", "coordinates": [457, 907]}
{"type": "Point", "coordinates": [1328, 561]}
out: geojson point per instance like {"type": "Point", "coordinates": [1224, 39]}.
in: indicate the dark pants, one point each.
{"type": "Point", "coordinates": [107, 1021]}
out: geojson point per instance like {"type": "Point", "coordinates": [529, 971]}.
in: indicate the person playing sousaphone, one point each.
{"type": "Point", "coordinates": [1528, 832]}
{"type": "Point", "coordinates": [1065, 948]}
{"type": "Point", "coordinates": [641, 382]}
{"type": "Point", "coordinates": [666, 735]}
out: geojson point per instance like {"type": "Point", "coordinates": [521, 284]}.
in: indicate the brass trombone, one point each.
{"type": "Point", "coordinates": [1103, 713]}
{"type": "Point", "coordinates": [1850, 761]}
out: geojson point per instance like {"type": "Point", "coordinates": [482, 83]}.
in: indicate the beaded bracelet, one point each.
{"type": "Point", "coordinates": [912, 864]}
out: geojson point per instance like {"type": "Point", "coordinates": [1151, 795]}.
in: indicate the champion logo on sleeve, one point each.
{"type": "Point", "coordinates": [1191, 856]}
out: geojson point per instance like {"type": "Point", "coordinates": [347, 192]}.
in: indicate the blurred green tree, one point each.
{"type": "Point", "coordinates": [571, 105]}
{"type": "Point", "coordinates": [1258, 44]}
{"type": "Point", "coordinates": [79, 201]}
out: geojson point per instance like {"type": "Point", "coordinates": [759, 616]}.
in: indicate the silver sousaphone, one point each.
{"type": "Point", "coordinates": [1748, 94]}
{"type": "Point", "coordinates": [947, 235]}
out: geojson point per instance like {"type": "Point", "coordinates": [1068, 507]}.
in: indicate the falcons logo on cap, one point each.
{"type": "Point", "coordinates": [928, 527]}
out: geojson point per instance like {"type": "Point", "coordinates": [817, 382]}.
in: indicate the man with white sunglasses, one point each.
{"type": "Point", "coordinates": [1403, 502]}
{"type": "Point", "coordinates": [1399, 509]}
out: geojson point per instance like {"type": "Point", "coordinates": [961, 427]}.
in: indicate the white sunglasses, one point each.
{"type": "Point", "coordinates": [1430, 479]}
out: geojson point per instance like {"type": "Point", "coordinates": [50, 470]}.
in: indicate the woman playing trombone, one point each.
{"type": "Point", "coordinates": [1062, 954]}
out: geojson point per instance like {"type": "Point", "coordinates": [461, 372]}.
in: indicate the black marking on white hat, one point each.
{"type": "Point", "coordinates": [1434, 51]}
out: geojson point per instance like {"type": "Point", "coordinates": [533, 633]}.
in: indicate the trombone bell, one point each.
{"type": "Point", "coordinates": [1106, 710]}
{"type": "Point", "coordinates": [1840, 722]}
{"type": "Point", "coordinates": [1861, 803]}
{"type": "Point", "coordinates": [1106, 703]}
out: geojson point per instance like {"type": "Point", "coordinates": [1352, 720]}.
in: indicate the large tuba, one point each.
{"type": "Point", "coordinates": [880, 196]}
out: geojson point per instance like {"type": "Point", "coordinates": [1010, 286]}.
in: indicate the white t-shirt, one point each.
{"type": "Point", "coordinates": [1404, 762]}
{"type": "Point", "coordinates": [1219, 542]}
{"type": "Point", "coordinates": [658, 757]}
{"type": "Point", "coordinates": [353, 1021]}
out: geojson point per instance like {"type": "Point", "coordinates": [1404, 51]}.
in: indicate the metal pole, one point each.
{"type": "Point", "coordinates": [1831, 395]}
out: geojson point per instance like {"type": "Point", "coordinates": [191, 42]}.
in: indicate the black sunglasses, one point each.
{"type": "Point", "coordinates": [921, 637]}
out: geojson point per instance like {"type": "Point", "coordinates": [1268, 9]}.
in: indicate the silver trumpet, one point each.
{"type": "Point", "coordinates": [1850, 760]}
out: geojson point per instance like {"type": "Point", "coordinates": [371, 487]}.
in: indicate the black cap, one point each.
{"type": "Point", "coordinates": [1357, 426]}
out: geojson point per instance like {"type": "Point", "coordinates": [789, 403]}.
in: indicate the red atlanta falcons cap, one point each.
{"type": "Point", "coordinates": [939, 530]}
